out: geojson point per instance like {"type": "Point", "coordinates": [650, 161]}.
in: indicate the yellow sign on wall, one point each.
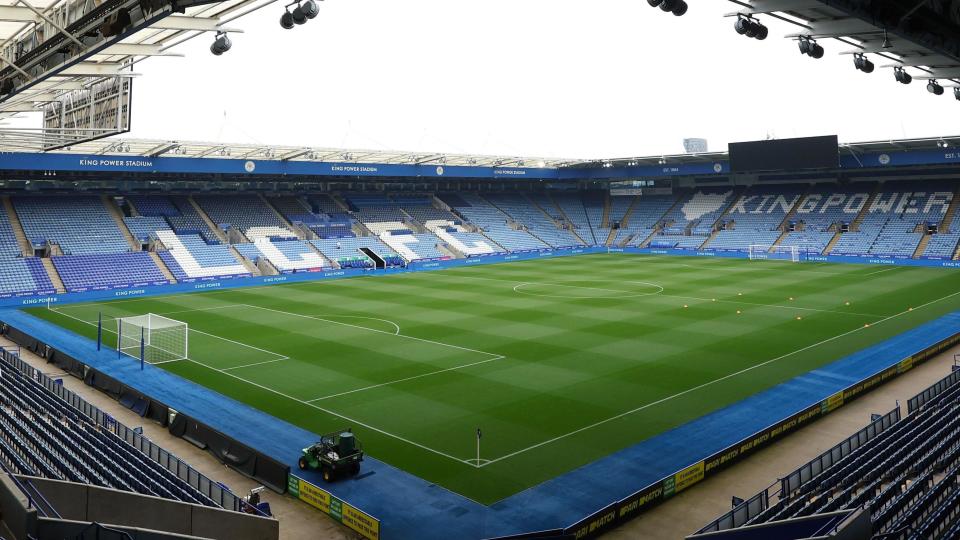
{"type": "Point", "coordinates": [361, 522]}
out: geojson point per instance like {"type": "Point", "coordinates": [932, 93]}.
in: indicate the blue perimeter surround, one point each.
{"type": "Point", "coordinates": [410, 507]}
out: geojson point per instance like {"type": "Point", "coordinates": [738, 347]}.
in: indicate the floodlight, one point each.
{"type": "Point", "coordinates": [310, 9]}
{"type": "Point", "coordinates": [286, 20]}
{"type": "Point", "coordinates": [902, 76]}
{"type": "Point", "coordinates": [299, 17]}
{"type": "Point", "coordinates": [934, 88]}
{"type": "Point", "coordinates": [956, 92]}
{"type": "Point", "coordinates": [677, 7]}
{"type": "Point", "coordinates": [221, 44]}
{"type": "Point", "coordinates": [862, 63]}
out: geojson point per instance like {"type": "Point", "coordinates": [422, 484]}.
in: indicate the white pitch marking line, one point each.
{"type": "Point", "coordinates": [521, 283]}
{"type": "Point", "coordinates": [422, 375]}
{"type": "Point", "coordinates": [371, 330]}
{"type": "Point", "coordinates": [709, 383]}
{"type": "Point", "coordinates": [881, 271]}
{"type": "Point", "coordinates": [281, 357]}
{"type": "Point", "coordinates": [338, 415]}
{"type": "Point", "coordinates": [275, 360]}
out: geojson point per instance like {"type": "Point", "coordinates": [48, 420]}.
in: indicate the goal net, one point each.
{"type": "Point", "coordinates": [163, 339]}
{"type": "Point", "coordinates": [777, 253]}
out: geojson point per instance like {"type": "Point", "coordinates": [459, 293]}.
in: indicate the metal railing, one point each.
{"type": "Point", "coordinates": [211, 489]}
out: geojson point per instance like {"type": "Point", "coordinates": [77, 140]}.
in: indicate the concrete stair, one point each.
{"type": "Point", "coordinates": [341, 203]}
{"type": "Point", "coordinates": [605, 220]}
{"type": "Point", "coordinates": [247, 263]}
{"type": "Point", "coordinates": [625, 221]}
{"type": "Point", "coordinates": [54, 275]}
{"type": "Point", "coordinates": [710, 238]}
{"type": "Point", "coordinates": [948, 219]}
{"type": "Point", "coordinates": [832, 243]}
{"type": "Point", "coordinates": [280, 216]}
{"type": "Point", "coordinates": [646, 241]}
{"type": "Point", "coordinates": [209, 222]}
{"type": "Point", "coordinates": [792, 213]}
{"type": "Point", "coordinates": [328, 262]}
{"type": "Point", "coordinates": [922, 246]}
{"type": "Point", "coordinates": [611, 237]}
{"type": "Point", "coordinates": [565, 217]}
{"type": "Point", "coordinates": [25, 249]}
{"type": "Point", "coordinates": [117, 216]}
{"type": "Point", "coordinates": [855, 225]}
{"type": "Point", "coordinates": [163, 267]}
{"type": "Point", "coordinates": [783, 236]}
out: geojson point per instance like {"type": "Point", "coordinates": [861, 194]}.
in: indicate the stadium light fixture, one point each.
{"type": "Point", "coordinates": [303, 12]}
{"type": "Point", "coordinates": [934, 87]}
{"type": "Point", "coordinates": [902, 76]}
{"type": "Point", "coordinates": [221, 44]}
{"type": "Point", "coordinates": [956, 92]}
{"type": "Point", "coordinates": [750, 27]}
{"type": "Point", "coordinates": [862, 63]}
{"type": "Point", "coordinates": [677, 7]}
{"type": "Point", "coordinates": [810, 47]}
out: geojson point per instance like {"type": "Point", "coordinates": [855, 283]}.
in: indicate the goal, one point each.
{"type": "Point", "coordinates": [164, 340]}
{"type": "Point", "coordinates": [777, 253]}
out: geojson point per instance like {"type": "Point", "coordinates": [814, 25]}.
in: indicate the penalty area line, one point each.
{"type": "Point", "coordinates": [338, 415]}
{"type": "Point", "coordinates": [405, 379]}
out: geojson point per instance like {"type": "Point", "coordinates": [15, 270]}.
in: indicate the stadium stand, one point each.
{"type": "Point", "coordinates": [288, 256]}
{"type": "Point", "coordinates": [44, 436]}
{"type": "Point", "coordinates": [79, 225]}
{"type": "Point", "coordinates": [177, 211]}
{"type": "Point", "coordinates": [574, 211]}
{"type": "Point", "coordinates": [823, 212]}
{"type": "Point", "coordinates": [906, 476]}
{"type": "Point", "coordinates": [493, 223]}
{"type": "Point", "coordinates": [247, 213]}
{"type": "Point", "coordinates": [92, 272]}
{"type": "Point", "coordinates": [756, 217]}
{"type": "Point", "coordinates": [692, 220]}
{"type": "Point", "coordinates": [19, 275]}
{"type": "Point", "coordinates": [896, 219]}
{"type": "Point", "coordinates": [638, 216]}
{"type": "Point", "coordinates": [894, 222]}
{"type": "Point", "coordinates": [348, 252]}
{"type": "Point", "coordinates": [189, 257]}
{"type": "Point", "coordinates": [535, 219]}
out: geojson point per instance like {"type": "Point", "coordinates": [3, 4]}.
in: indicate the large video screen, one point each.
{"type": "Point", "coordinates": [785, 154]}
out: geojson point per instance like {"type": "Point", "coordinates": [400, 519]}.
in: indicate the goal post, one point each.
{"type": "Point", "coordinates": [759, 252]}
{"type": "Point", "coordinates": [163, 339]}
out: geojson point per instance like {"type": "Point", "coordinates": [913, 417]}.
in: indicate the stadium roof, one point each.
{"type": "Point", "coordinates": [212, 150]}
{"type": "Point", "coordinates": [53, 47]}
{"type": "Point", "coordinates": [922, 35]}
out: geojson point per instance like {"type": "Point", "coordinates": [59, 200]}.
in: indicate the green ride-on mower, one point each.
{"type": "Point", "coordinates": [337, 454]}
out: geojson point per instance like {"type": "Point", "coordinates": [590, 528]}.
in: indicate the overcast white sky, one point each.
{"type": "Point", "coordinates": [557, 78]}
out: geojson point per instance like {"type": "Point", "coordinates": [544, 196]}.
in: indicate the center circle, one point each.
{"type": "Point", "coordinates": [589, 289]}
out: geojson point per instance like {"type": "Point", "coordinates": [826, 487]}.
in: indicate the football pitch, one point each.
{"type": "Point", "coordinates": [558, 361]}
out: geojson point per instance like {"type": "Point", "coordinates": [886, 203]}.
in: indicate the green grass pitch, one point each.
{"type": "Point", "coordinates": [559, 361]}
